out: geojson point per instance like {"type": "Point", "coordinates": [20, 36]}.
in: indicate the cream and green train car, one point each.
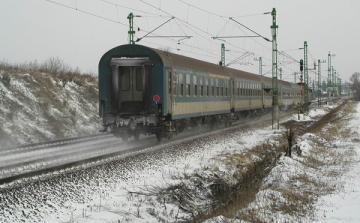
{"type": "Point", "coordinates": [150, 91]}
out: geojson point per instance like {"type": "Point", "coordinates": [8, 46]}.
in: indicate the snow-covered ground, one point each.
{"type": "Point", "coordinates": [36, 107]}
{"type": "Point", "coordinates": [128, 189]}
{"type": "Point", "coordinates": [344, 204]}
{"type": "Point", "coordinates": [321, 184]}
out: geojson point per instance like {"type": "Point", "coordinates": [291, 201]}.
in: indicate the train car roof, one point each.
{"type": "Point", "coordinates": [183, 62]}
{"type": "Point", "coordinates": [170, 59]}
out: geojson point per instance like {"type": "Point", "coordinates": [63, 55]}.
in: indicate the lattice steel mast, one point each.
{"type": "Point", "coordinates": [306, 78]}
{"type": "Point", "coordinates": [131, 31]}
{"type": "Point", "coordinates": [275, 110]}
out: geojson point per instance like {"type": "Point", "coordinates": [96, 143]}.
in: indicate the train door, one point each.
{"type": "Point", "coordinates": [232, 90]}
{"type": "Point", "coordinates": [131, 89]}
{"type": "Point", "coordinates": [169, 92]}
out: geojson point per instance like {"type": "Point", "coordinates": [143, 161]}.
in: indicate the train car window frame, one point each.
{"type": "Point", "coordinates": [217, 88]}
{"type": "Point", "coordinates": [227, 88]}
{"type": "Point", "coordinates": [188, 85]}
{"type": "Point", "coordinates": [195, 85]}
{"type": "Point", "coordinates": [181, 85]}
{"type": "Point", "coordinates": [246, 89]}
{"type": "Point", "coordinates": [207, 93]}
{"type": "Point", "coordinates": [222, 87]}
{"type": "Point", "coordinates": [201, 86]}
{"type": "Point", "coordinates": [241, 89]}
{"type": "Point", "coordinates": [125, 87]}
{"type": "Point", "coordinates": [212, 80]}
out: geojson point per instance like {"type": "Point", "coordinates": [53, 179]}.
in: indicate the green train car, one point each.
{"type": "Point", "coordinates": [150, 91]}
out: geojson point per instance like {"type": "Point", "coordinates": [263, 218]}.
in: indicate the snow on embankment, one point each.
{"type": "Point", "coordinates": [37, 107]}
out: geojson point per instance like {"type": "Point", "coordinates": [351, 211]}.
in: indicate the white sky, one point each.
{"type": "Point", "coordinates": [37, 29]}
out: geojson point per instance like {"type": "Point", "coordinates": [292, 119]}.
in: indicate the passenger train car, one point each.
{"type": "Point", "coordinates": [150, 91]}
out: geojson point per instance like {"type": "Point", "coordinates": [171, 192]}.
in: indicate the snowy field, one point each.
{"type": "Point", "coordinates": [344, 205]}
{"type": "Point", "coordinates": [143, 188]}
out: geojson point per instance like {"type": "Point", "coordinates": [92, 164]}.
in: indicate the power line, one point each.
{"type": "Point", "coordinates": [85, 12]}
{"type": "Point", "coordinates": [184, 22]}
{"type": "Point", "coordinates": [222, 16]}
{"type": "Point", "coordinates": [155, 15]}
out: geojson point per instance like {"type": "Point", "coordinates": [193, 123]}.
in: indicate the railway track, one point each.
{"type": "Point", "coordinates": [50, 144]}
{"type": "Point", "coordinates": [31, 161]}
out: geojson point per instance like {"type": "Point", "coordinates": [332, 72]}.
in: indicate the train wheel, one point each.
{"type": "Point", "coordinates": [159, 137]}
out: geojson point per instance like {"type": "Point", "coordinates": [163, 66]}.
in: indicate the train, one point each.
{"type": "Point", "coordinates": [146, 91]}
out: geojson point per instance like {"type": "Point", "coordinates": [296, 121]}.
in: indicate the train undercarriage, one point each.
{"type": "Point", "coordinates": [127, 126]}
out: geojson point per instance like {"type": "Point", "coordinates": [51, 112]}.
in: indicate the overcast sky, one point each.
{"type": "Point", "coordinates": [37, 29]}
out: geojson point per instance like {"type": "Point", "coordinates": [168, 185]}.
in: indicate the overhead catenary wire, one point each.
{"type": "Point", "coordinates": [126, 7]}
{"type": "Point", "coordinates": [187, 23]}
{"type": "Point", "coordinates": [88, 13]}
{"type": "Point", "coordinates": [126, 25]}
{"type": "Point", "coordinates": [222, 16]}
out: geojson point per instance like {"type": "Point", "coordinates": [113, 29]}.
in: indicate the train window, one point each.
{"type": "Point", "coordinates": [227, 88]}
{"type": "Point", "coordinates": [181, 85]}
{"type": "Point", "coordinates": [174, 83]}
{"type": "Point", "coordinates": [246, 89]}
{"type": "Point", "coordinates": [195, 85]}
{"type": "Point", "coordinates": [139, 79]}
{"type": "Point", "coordinates": [222, 88]}
{"type": "Point", "coordinates": [125, 79]}
{"type": "Point", "coordinates": [188, 85]}
{"type": "Point", "coordinates": [169, 82]}
{"type": "Point", "coordinates": [201, 86]}
{"type": "Point", "coordinates": [207, 86]}
{"type": "Point", "coordinates": [212, 80]}
{"type": "Point", "coordinates": [241, 89]}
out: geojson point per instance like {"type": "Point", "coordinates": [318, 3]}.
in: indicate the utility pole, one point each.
{"type": "Point", "coordinates": [306, 78]}
{"type": "Point", "coordinates": [313, 88]}
{"type": "Point", "coordinates": [329, 74]}
{"type": "Point", "coordinates": [223, 54]}
{"type": "Point", "coordinates": [275, 110]}
{"type": "Point", "coordinates": [332, 81]}
{"type": "Point", "coordinates": [340, 87]}
{"type": "Point", "coordinates": [131, 31]}
{"type": "Point", "coordinates": [319, 83]}
{"type": "Point", "coordinates": [260, 66]}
